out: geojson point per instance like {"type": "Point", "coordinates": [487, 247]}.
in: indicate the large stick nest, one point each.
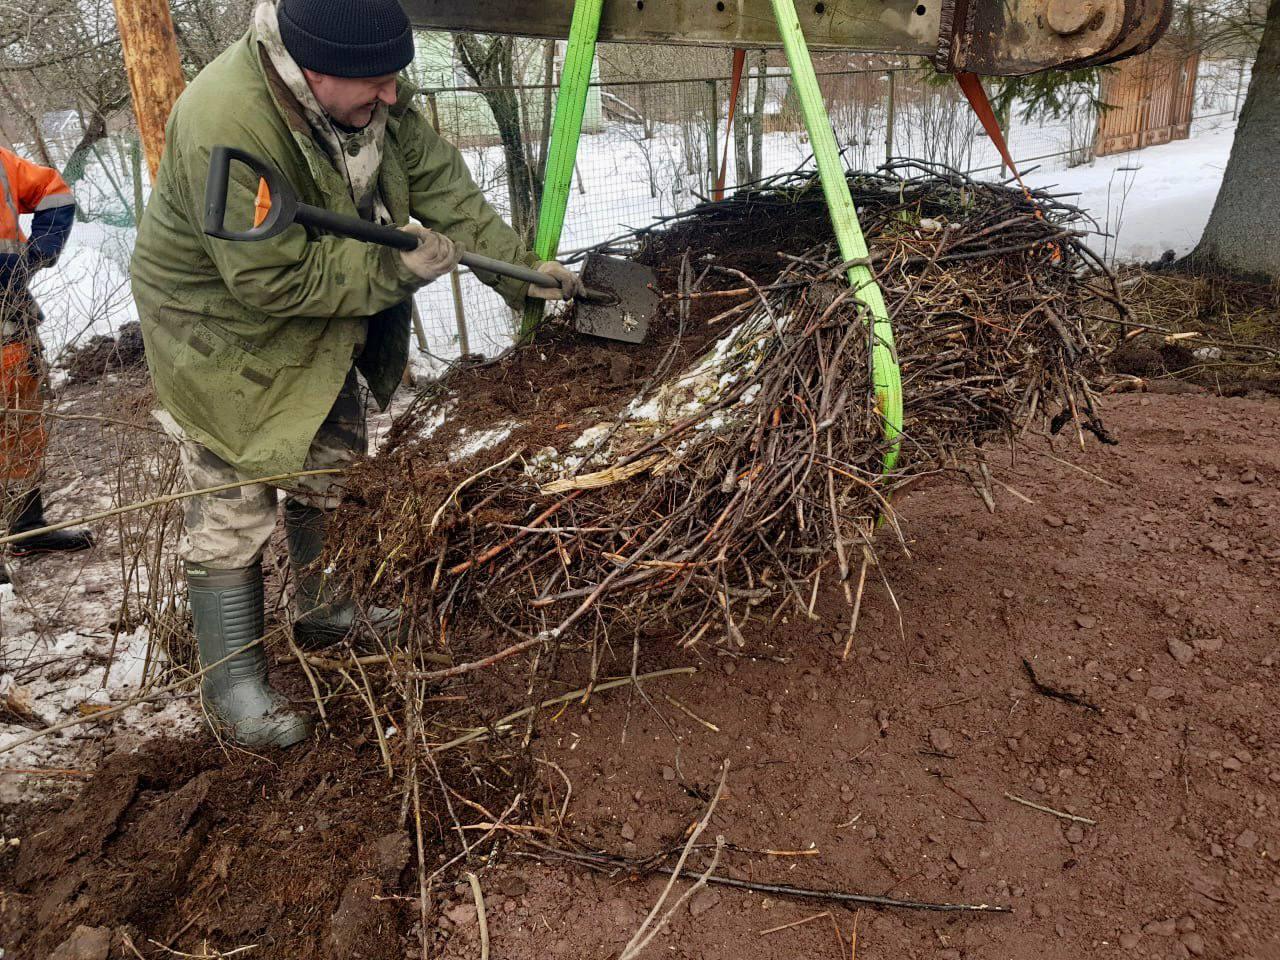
{"type": "Point", "coordinates": [578, 492]}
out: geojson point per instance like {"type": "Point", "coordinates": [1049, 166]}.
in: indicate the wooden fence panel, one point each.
{"type": "Point", "coordinates": [1149, 98]}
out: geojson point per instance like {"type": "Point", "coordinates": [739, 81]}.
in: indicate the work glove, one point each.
{"type": "Point", "coordinates": [569, 286]}
{"type": "Point", "coordinates": [433, 257]}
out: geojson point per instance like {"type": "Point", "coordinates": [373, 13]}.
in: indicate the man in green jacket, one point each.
{"type": "Point", "coordinates": [258, 350]}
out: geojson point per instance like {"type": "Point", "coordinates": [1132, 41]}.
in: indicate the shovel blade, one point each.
{"type": "Point", "coordinates": [634, 291]}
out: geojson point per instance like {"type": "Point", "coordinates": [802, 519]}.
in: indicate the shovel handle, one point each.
{"type": "Point", "coordinates": [286, 211]}
{"type": "Point", "coordinates": [515, 271]}
{"type": "Point", "coordinates": [284, 201]}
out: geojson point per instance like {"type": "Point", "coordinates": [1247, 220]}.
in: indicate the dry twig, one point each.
{"type": "Point", "coordinates": [1056, 813]}
{"type": "Point", "coordinates": [653, 924]}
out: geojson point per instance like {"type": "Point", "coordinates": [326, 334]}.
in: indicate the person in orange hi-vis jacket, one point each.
{"type": "Point", "coordinates": [27, 188]}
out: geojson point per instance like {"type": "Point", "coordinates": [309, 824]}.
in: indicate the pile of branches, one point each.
{"type": "Point", "coordinates": [727, 489]}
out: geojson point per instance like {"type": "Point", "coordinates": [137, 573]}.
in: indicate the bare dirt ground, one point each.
{"type": "Point", "coordinates": [1141, 579]}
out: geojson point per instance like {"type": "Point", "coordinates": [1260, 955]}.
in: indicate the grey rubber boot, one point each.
{"type": "Point", "coordinates": [227, 610]}
{"type": "Point", "coordinates": [322, 615]}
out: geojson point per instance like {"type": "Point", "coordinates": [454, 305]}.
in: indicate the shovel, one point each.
{"type": "Point", "coordinates": [619, 308]}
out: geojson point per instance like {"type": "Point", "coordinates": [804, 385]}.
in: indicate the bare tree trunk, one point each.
{"type": "Point", "coordinates": [548, 105]}
{"type": "Point", "coordinates": [32, 121]}
{"type": "Point", "coordinates": [37, 137]}
{"type": "Point", "coordinates": [151, 59]}
{"type": "Point", "coordinates": [1243, 234]}
{"type": "Point", "coordinates": [94, 131]}
{"type": "Point", "coordinates": [490, 63]}
{"type": "Point", "coordinates": [741, 153]}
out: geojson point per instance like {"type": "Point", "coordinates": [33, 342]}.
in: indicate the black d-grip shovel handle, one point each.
{"type": "Point", "coordinates": [284, 202]}
{"type": "Point", "coordinates": [286, 211]}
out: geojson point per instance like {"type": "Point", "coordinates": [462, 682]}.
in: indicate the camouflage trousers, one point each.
{"type": "Point", "coordinates": [228, 530]}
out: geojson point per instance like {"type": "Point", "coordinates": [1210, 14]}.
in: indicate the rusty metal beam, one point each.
{"type": "Point", "coordinates": [897, 26]}
{"type": "Point", "coordinates": [992, 37]}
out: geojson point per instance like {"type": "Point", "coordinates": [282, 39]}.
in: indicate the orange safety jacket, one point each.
{"type": "Point", "coordinates": [26, 188]}
{"type": "Point", "coordinates": [29, 188]}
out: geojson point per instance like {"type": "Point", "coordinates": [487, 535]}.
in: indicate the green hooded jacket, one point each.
{"type": "Point", "coordinates": [248, 343]}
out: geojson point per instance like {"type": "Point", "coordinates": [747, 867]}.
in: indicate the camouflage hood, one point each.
{"type": "Point", "coordinates": [357, 154]}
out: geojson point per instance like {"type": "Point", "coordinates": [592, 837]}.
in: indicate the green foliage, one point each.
{"type": "Point", "coordinates": [1049, 96]}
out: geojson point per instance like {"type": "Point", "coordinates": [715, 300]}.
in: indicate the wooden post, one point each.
{"type": "Point", "coordinates": [890, 115]}
{"type": "Point", "coordinates": [455, 284]}
{"type": "Point", "coordinates": [151, 59]}
{"type": "Point", "coordinates": [713, 133]}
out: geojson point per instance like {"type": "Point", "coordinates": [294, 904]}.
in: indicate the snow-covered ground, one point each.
{"type": "Point", "coordinates": [54, 674]}
{"type": "Point", "coordinates": [1150, 200]}
{"type": "Point", "coordinates": [62, 658]}
{"type": "Point", "coordinates": [87, 292]}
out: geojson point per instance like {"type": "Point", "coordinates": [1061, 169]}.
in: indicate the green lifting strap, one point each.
{"type": "Point", "coordinates": [562, 152]}
{"type": "Point", "coordinates": [844, 218]}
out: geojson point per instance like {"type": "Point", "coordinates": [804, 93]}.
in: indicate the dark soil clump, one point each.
{"type": "Point", "coordinates": [182, 846]}
{"type": "Point", "coordinates": [101, 355]}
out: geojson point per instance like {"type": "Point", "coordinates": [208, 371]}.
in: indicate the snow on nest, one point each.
{"type": "Point", "coordinates": [718, 370]}
{"type": "Point", "coordinates": [471, 442]}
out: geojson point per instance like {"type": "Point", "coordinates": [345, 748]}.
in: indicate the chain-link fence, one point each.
{"type": "Point", "coordinates": [653, 148]}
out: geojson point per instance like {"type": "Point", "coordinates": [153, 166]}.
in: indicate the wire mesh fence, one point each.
{"type": "Point", "coordinates": [653, 148]}
{"type": "Point", "coordinates": [650, 148]}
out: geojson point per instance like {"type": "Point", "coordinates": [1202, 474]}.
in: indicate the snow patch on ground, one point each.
{"type": "Point", "coordinates": [1150, 200]}
{"type": "Point", "coordinates": [426, 367]}
{"type": "Point", "coordinates": [87, 293]}
{"type": "Point", "coordinates": [48, 676]}
{"type": "Point", "coordinates": [60, 658]}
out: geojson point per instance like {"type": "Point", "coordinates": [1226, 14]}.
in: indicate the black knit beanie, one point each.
{"type": "Point", "coordinates": [347, 38]}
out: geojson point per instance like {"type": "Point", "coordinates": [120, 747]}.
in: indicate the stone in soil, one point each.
{"type": "Point", "coordinates": [85, 943]}
{"type": "Point", "coordinates": [1161, 928]}
{"type": "Point", "coordinates": [1194, 943]}
{"type": "Point", "coordinates": [702, 901]}
{"type": "Point", "coordinates": [462, 915]}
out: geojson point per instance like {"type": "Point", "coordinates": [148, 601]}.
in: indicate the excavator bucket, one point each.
{"type": "Point", "coordinates": [986, 37]}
